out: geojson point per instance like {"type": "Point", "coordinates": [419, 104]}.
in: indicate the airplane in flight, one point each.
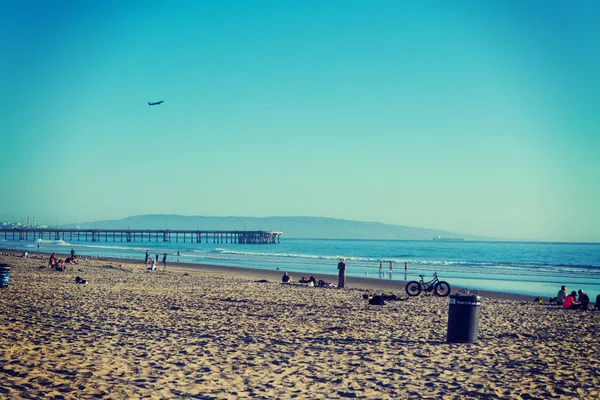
{"type": "Point", "coordinates": [156, 103]}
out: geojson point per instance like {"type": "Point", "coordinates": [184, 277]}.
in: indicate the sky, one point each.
{"type": "Point", "coordinates": [478, 117]}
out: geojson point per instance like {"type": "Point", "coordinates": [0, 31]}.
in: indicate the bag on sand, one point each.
{"type": "Point", "coordinates": [377, 301]}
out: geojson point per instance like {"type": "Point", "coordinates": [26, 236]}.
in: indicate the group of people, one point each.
{"type": "Point", "coordinates": [286, 278]}
{"type": "Point", "coordinates": [312, 281]}
{"type": "Point", "coordinates": [59, 265]}
{"type": "Point", "coordinates": [575, 301]}
{"type": "Point", "coordinates": [55, 263]}
{"type": "Point", "coordinates": [151, 263]}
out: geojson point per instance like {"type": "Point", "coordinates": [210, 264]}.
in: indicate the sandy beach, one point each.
{"type": "Point", "coordinates": [215, 333]}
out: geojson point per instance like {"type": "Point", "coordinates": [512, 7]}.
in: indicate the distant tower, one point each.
{"type": "Point", "coordinates": [28, 221]}
{"type": "Point", "coordinates": [34, 221]}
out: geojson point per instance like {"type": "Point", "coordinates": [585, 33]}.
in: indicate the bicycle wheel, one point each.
{"type": "Point", "coordinates": [413, 288]}
{"type": "Point", "coordinates": [442, 289]}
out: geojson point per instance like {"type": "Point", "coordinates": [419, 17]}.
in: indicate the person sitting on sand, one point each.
{"type": "Point", "coordinates": [584, 299]}
{"type": "Point", "coordinates": [303, 280]}
{"type": "Point", "coordinates": [286, 278]}
{"type": "Point", "coordinates": [561, 295]}
{"type": "Point", "coordinates": [322, 283]}
{"type": "Point", "coordinates": [71, 260]}
{"type": "Point", "coordinates": [570, 303]}
{"type": "Point", "coordinates": [60, 265]}
{"type": "Point", "coordinates": [25, 254]}
{"type": "Point", "coordinates": [52, 260]}
{"type": "Point", "coordinates": [153, 266]}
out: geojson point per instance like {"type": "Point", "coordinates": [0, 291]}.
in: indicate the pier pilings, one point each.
{"type": "Point", "coordinates": [147, 235]}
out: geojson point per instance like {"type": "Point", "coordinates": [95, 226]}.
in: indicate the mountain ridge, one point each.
{"type": "Point", "coordinates": [292, 227]}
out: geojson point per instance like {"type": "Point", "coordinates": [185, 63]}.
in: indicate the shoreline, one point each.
{"type": "Point", "coordinates": [352, 282]}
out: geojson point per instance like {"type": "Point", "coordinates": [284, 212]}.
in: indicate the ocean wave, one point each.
{"type": "Point", "coordinates": [126, 248]}
{"type": "Point", "coordinates": [398, 263]}
{"type": "Point", "coordinates": [304, 258]}
{"type": "Point", "coordinates": [50, 242]}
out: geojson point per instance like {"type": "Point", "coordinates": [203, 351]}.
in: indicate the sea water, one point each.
{"type": "Point", "coordinates": [537, 269]}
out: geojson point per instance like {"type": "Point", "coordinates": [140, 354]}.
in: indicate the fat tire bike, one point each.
{"type": "Point", "coordinates": [439, 288]}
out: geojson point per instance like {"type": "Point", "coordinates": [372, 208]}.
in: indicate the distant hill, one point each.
{"type": "Point", "coordinates": [292, 227]}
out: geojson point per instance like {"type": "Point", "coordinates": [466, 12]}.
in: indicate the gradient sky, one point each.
{"type": "Point", "coordinates": [479, 117]}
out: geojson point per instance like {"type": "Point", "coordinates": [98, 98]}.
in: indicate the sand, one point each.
{"type": "Point", "coordinates": [215, 333]}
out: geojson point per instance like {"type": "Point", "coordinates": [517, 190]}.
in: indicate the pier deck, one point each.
{"type": "Point", "coordinates": [142, 235]}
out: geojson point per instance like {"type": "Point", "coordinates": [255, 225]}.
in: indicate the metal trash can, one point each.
{"type": "Point", "coordinates": [4, 274]}
{"type": "Point", "coordinates": [463, 318]}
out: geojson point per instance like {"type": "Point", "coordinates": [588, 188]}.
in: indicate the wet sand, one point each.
{"type": "Point", "coordinates": [213, 332]}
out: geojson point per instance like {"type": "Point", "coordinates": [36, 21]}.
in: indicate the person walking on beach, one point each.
{"type": "Point", "coordinates": [165, 261]}
{"type": "Point", "coordinates": [177, 255]}
{"type": "Point", "coordinates": [342, 273]}
{"type": "Point", "coordinates": [391, 270]}
{"type": "Point", "coordinates": [147, 260]}
{"type": "Point", "coordinates": [72, 253]}
{"type": "Point", "coordinates": [157, 258]}
{"type": "Point", "coordinates": [380, 269]}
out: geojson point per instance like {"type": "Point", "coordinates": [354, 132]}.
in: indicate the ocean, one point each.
{"type": "Point", "coordinates": [536, 269]}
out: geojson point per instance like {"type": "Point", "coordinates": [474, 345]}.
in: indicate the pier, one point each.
{"type": "Point", "coordinates": [142, 235]}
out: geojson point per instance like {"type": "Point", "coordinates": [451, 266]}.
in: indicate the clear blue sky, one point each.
{"type": "Point", "coordinates": [478, 117]}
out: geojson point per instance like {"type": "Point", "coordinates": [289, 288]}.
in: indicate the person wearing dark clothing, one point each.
{"type": "Point", "coordinates": [584, 299]}
{"type": "Point", "coordinates": [342, 273]}
{"type": "Point", "coordinates": [165, 260]}
{"type": "Point", "coordinates": [157, 258]}
{"type": "Point", "coordinates": [286, 278]}
{"type": "Point", "coordinates": [72, 253]}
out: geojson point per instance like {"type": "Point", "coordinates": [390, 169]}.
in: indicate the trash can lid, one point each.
{"type": "Point", "coordinates": [467, 297]}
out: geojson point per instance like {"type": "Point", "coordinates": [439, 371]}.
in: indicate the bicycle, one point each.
{"type": "Point", "coordinates": [439, 288]}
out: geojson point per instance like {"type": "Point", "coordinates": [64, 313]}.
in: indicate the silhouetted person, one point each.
{"type": "Point", "coordinates": [342, 273]}
{"type": "Point", "coordinates": [584, 299]}
{"type": "Point", "coordinates": [561, 295]}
